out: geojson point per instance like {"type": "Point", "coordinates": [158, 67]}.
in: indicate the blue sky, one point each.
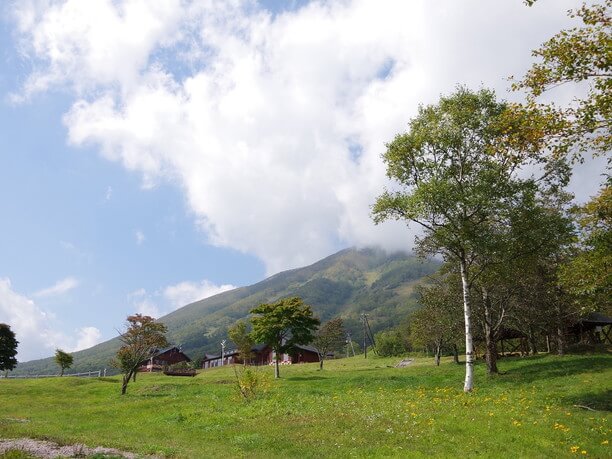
{"type": "Point", "coordinates": [156, 153]}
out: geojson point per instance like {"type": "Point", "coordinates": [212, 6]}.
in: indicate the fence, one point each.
{"type": "Point", "coordinates": [88, 374]}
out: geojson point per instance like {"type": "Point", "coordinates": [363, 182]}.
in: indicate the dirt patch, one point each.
{"type": "Point", "coordinates": [49, 450]}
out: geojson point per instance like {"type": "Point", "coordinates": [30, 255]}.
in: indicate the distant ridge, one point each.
{"type": "Point", "coordinates": [345, 284]}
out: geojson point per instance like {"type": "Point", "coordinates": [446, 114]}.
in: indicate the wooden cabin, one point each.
{"type": "Point", "coordinates": [594, 328]}
{"type": "Point", "coordinates": [163, 358]}
{"type": "Point", "coordinates": [262, 354]}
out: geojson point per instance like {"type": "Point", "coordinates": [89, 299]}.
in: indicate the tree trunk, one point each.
{"type": "Point", "coordinates": [455, 354]}
{"type": "Point", "coordinates": [134, 375]}
{"type": "Point", "coordinates": [126, 381]}
{"type": "Point", "coordinates": [438, 350]}
{"type": "Point", "coordinates": [533, 346]}
{"type": "Point", "coordinates": [320, 363]}
{"type": "Point", "coordinates": [469, 344]}
{"type": "Point", "coordinates": [62, 371]}
{"type": "Point", "coordinates": [491, 348]}
{"type": "Point", "coordinates": [276, 366]}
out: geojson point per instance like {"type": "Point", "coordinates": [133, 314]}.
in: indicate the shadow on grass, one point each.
{"type": "Point", "coordinates": [534, 369]}
{"type": "Point", "coordinates": [599, 401]}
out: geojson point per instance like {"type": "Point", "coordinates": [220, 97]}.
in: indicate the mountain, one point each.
{"type": "Point", "coordinates": [345, 284]}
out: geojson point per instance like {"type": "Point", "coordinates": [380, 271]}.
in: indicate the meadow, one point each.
{"type": "Point", "coordinates": [543, 406]}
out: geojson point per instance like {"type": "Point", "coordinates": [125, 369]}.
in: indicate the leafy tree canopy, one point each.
{"type": "Point", "coordinates": [330, 337]}
{"type": "Point", "coordinates": [239, 334]}
{"type": "Point", "coordinates": [283, 324]}
{"type": "Point", "coordinates": [580, 55]}
{"type": "Point", "coordinates": [457, 175]}
{"type": "Point", "coordinates": [143, 336]}
{"type": "Point", "coordinates": [588, 275]}
{"type": "Point", "coordinates": [63, 360]}
{"type": "Point", "coordinates": [8, 348]}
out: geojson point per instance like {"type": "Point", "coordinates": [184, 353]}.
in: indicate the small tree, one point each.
{"type": "Point", "coordinates": [329, 337]}
{"type": "Point", "coordinates": [8, 348]}
{"type": "Point", "coordinates": [239, 334]}
{"type": "Point", "coordinates": [282, 325]}
{"type": "Point", "coordinates": [438, 322]}
{"type": "Point", "coordinates": [142, 337]}
{"type": "Point", "coordinates": [63, 360]}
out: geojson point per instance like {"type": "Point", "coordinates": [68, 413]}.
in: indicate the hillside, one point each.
{"type": "Point", "coordinates": [345, 284]}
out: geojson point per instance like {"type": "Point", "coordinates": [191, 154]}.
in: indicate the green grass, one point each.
{"type": "Point", "coordinates": [352, 408]}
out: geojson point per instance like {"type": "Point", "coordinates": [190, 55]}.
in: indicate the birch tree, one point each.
{"type": "Point", "coordinates": [456, 175]}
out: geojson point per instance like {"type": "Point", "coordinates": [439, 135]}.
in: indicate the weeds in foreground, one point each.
{"type": "Point", "coordinates": [251, 382]}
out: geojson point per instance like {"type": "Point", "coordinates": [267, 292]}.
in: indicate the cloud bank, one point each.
{"type": "Point", "coordinates": [35, 329]}
{"type": "Point", "coordinates": [272, 125]}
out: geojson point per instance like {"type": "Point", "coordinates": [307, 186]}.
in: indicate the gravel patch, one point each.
{"type": "Point", "coordinates": [50, 450]}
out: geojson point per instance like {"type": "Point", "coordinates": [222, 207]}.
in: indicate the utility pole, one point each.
{"type": "Point", "coordinates": [222, 352]}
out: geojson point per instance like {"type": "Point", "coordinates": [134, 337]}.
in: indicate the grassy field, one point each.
{"type": "Point", "coordinates": [355, 407]}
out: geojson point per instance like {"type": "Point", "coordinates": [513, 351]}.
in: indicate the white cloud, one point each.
{"type": "Point", "coordinates": [109, 193]}
{"type": "Point", "coordinates": [59, 288]}
{"type": "Point", "coordinates": [87, 337]}
{"type": "Point", "coordinates": [274, 126]}
{"type": "Point", "coordinates": [184, 293]}
{"type": "Point", "coordinates": [141, 302]}
{"type": "Point", "coordinates": [172, 297]}
{"type": "Point", "coordinates": [36, 329]}
{"type": "Point", "coordinates": [140, 237]}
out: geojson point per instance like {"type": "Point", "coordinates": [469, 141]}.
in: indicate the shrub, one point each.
{"type": "Point", "coordinates": [250, 382]}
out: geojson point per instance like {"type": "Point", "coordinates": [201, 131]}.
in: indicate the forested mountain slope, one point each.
{"type": "Point", "coordinates": [345, 284]}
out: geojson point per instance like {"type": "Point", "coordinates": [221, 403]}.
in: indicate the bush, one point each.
{"type": "Point", "coordinates": [251, 383]}
{"type": "Point", "coordinates": [390, 343]}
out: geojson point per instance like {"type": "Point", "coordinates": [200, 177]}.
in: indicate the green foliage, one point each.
{"type": "Point", "coordinates": [439, 322]}
{"type": "Point", "coordinates": [63, 360]}
{"type": "Point", "coordinates": [251, 383]}
{"type": "Point", "coordinates": [330, 337]}
{"type": "Point", "coordinates": [576, 56]}
{"type": "Point", "coordinates": [283, 324]}
{"type": "Point", "coordinates": [588, 275]}
{"type": "Point", "coordinates": [239, 334]}
{"type": "Point", "coordinates": [390, 343]}
{"type": "Point", "coordinates": [457, 171]}
{"type": "Point", "coordinates": [8, 348]}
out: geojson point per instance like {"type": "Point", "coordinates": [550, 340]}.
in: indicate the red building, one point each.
{"type": "Point", "coordinates": [163, 359]}
{"type": "Point", "coordinates": [262, 354]}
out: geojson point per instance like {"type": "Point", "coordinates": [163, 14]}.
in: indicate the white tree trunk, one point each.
{"type": "Point", "coordinates": [469, 345]}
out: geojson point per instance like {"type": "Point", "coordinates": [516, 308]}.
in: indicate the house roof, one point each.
{"type": "Point", "coordinates": [170, 349]}
{"type": "Point", "coordinates": [596, 318]}
{"type": "Point", "coordinates": [306, 348]}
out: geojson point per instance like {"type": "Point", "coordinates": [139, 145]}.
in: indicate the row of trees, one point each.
{"type": "Point", "coordinates": [485, 180]}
